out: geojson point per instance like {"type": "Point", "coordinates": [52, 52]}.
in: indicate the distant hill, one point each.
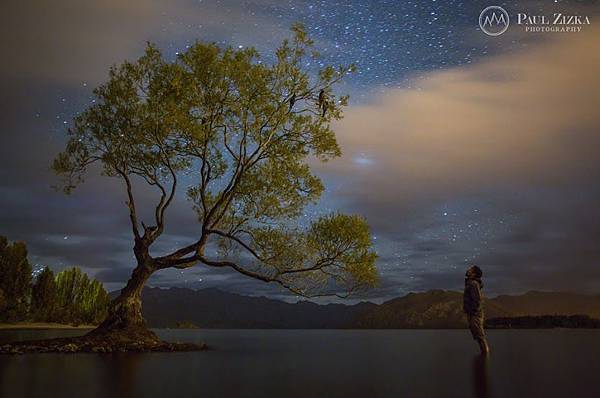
{"type": "Point", "coordinates": [551, 303]}
{"type": "Point", "coordinates": [430, 310]}
{"type": "Point", "coordinates": [443, 309]}
{"type": "Point", "coordinates": [213, 308]}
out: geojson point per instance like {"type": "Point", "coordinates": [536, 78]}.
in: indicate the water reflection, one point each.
{"type": "Point", "coordinates": [321, 363]}
{"type": "Point", "coordinates": [481, 383]}
{"type": "Point", "coordinates": [121, 371]}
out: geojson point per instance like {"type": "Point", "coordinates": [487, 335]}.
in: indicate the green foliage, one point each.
{"type": "Point", "coordinates": [336, 249]}
{"type": "Point", "coordinates": [15, 280]}
{"type": "Point", "coordinates": [240, 130]}
{"type": "Point", "coordinates": [71, 297]}
{"type": "Point", "coordinates": [80, 300]}
{"type": "Point", "coordinates": [44, 297]}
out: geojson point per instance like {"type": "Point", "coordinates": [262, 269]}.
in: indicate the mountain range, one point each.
{"type": "Point", "coordinates": [213, 308]}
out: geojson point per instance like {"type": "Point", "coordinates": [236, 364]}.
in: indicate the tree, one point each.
{"type": "Point", "coordinates": [44, 297]}
{"type": "Point", "coordinates": [93, 303]}
{"type": "Point", "coordinates": [15, 280]}
{"type": "Point", "coordinates": [70, 284]}
{"type": "Point", "coordinates": [236, 131]}
{"type": "Point", "coordinates": [80, 299]}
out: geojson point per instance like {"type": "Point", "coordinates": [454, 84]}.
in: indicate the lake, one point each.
{"type": "Point", "coordinates": [318, 363]}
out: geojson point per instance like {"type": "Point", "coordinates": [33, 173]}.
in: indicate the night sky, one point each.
{"type": "Point", "coordinates": [458, 147]}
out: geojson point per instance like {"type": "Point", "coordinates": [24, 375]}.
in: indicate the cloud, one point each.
{"type": "Point", "coordinates": [525, 118]}
{"type": "Point", "coordinates": [71, 42]}
{"type": "Point", "coordinates": [516, 133]}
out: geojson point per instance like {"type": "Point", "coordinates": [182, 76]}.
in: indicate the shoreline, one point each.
{"type": "Point", "coordinates": [41, 325]}
{"type": "Point", "coordinates": [60, 326]}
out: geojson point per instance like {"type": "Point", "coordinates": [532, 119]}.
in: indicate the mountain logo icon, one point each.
{"type": "Point", "coordinates": [494, 20]}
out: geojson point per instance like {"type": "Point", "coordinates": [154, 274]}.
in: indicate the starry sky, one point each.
{"type": "Point", "coordinates": [458, 147]}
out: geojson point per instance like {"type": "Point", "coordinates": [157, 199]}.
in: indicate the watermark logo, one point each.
{"type": "Point", "coordinates": [494, 20]}
{"type": "Point", "coordinates": [555, 23]}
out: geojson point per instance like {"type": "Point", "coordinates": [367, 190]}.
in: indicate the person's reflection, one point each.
{"type": "Point", "coordinates": [480, 376]}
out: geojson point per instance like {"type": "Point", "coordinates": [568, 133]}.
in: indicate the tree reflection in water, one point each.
{"type": "Point", "coordinates": [121, 371]}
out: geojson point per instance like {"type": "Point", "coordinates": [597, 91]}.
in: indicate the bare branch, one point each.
{"type": "Point", "coordinates": [131, 204]}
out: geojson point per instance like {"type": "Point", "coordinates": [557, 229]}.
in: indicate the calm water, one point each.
{"type": "Point", "coordinates": [319, 363]}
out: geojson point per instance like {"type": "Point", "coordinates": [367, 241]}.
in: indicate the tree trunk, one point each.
{"type": "Point", "coordinates": [125, 312]}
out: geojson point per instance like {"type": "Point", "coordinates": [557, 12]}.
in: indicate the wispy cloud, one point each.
{"type": "Point", "coordinates": [518, 132]}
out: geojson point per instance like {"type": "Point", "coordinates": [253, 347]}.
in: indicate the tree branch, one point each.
{"type": "Point", "coordinates": [131, 204]}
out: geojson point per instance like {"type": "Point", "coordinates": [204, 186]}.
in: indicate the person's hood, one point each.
{"type": "Point", "coordinates": [474, 278]}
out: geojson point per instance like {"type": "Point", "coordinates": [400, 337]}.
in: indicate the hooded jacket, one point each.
{"type": "Point", "coordinates": [473, 298]}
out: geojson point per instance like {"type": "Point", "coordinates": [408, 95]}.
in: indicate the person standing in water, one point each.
{"type": "Point", "coordinates": [473, 306]}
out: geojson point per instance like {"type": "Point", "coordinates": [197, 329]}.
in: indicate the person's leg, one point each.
{"type": "Point", "coordinates": [476, 327]}
{"type": "Point", "coordinates": [472, 319]}
{"type": "Point", "coordinates": [481, 339]}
